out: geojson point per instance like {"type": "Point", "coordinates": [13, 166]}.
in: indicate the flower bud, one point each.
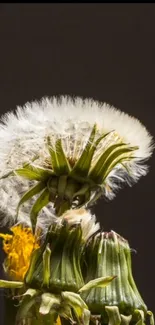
{"type": "Point", "coordinates": [56, 265]}
{"type": "Point", "coordinates": [108, 254]}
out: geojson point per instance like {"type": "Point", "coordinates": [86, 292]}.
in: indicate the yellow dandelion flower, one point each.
{"type": "Point", "coordinates": [18, 247]}
{"type": "Point", "coordinates": [58, 321]}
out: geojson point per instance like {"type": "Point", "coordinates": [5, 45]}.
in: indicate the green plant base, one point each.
{"type": "Point", "coordinates": [11, 309]}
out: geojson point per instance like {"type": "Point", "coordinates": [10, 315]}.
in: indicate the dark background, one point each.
{"type": "Point", "coordinates": [103, 51]}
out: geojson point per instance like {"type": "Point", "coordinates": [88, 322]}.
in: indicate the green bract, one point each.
{"type": "Point", "coordinates": [72, 184]}
{"type": "Point", "coordinates": [56, 265]}
{"type": "Point", "coordinates": [54, 280]}
{"type": "Point", "coordinates": [120, 302]}
{"type": "Point", "coordinates": [83, 283]}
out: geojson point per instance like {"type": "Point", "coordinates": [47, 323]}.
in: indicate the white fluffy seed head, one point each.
{"type": "Point", "coordinates": [88, 222]}
{"type": "Point", "coordinates": [23, 133]}
{"type": "Point", "coordinates": [23, 136]}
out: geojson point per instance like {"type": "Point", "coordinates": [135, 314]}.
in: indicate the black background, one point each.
{"type": "Point", "coordinates": [103, 51]}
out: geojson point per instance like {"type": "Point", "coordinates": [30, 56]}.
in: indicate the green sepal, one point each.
{"type": "Point", "coordinates": [33, 265]}
{"type": "Point", "coordinates": [139, 299]}
{"type": "Point", "coordinates": [11, 284]}
{"type": "Point", "coordinates": [42, 201]}
{"type": "Point", "coordinates": [64, 165]}
{"type": "Point", "coordinates": [30, 193]}
{"type": "Point", "coordinates": [73, 299]}
{"type": "Point", "coordinates": [83, 164]}
{"type": "Point", "coordinates": [113, 315]}
{"type": "Point", "coordinates": [46, 266]}
{"type": "Point", "coordinates": [31, 292]}
{"type": "Point", "coordinates": [53, 155]}
{"type": "Point", "coordinates": [107, 158]}
{"type": "Point", "coordinates": [151, 317]}
{"type": "Point", "coordinates": [97, 283]}
{"type": "Point", "coordinates": [96, 171]}
{"type": "Point", "coordinates": [140, 315]}
{"type": "Point", "coordinates": [78, 305]}
{"type": "Point", "coordinates": [47, 302]}
{"type": "Point", "coordinates": [60, 163]}
{"type": "Point", "coordinates": [34, 173]}
{"type": "Point", "coordinates": [117, 161]}
{"type": "Point", "coordinates": [125, 320]}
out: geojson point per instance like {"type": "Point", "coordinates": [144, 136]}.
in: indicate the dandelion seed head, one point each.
{"type": "Point", "coordinates": [24, 133]}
